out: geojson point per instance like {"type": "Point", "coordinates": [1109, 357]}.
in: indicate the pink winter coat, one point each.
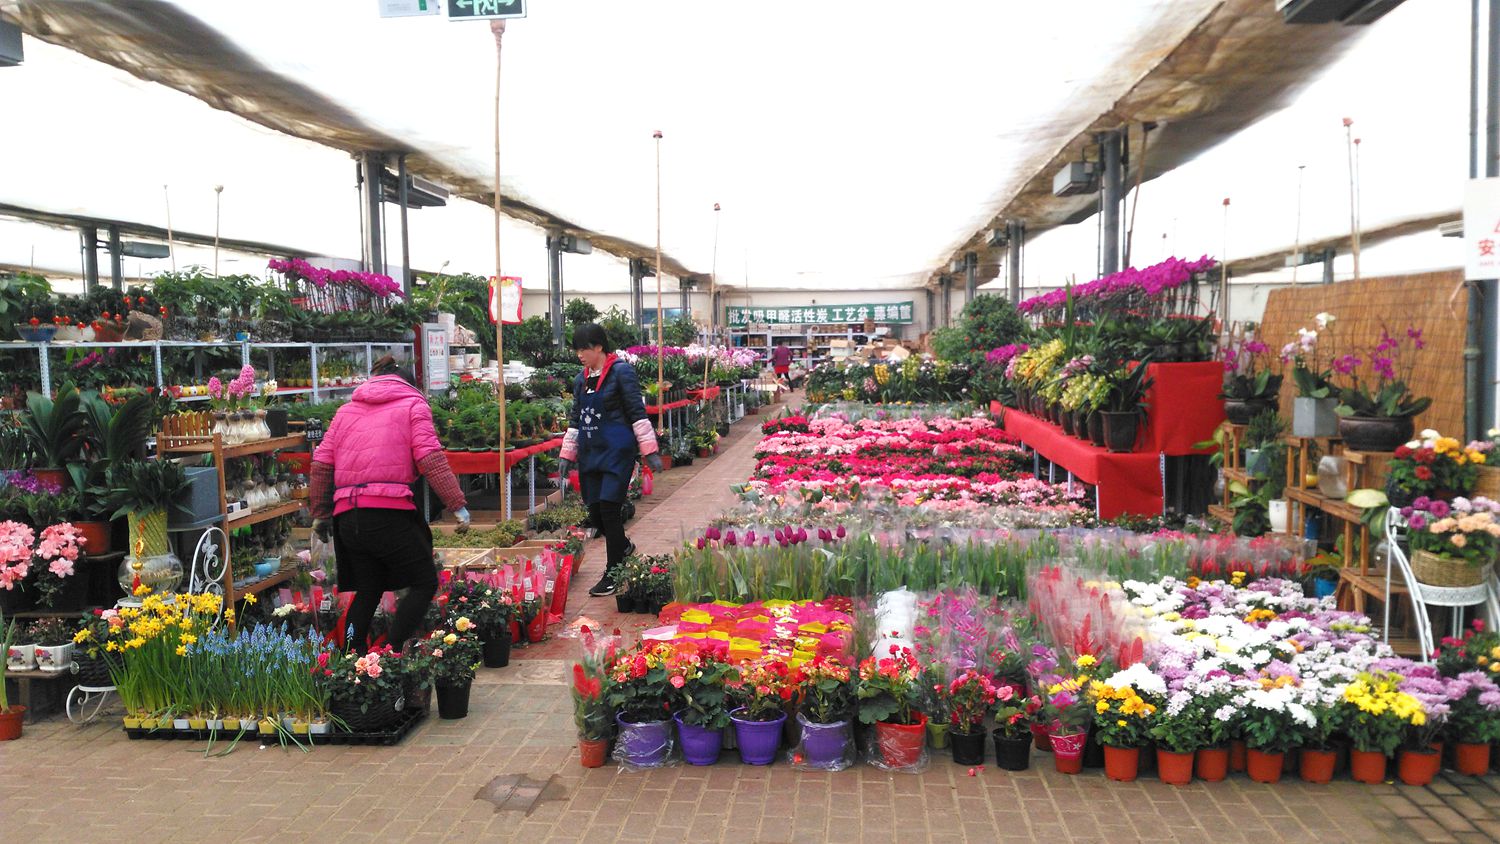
{"type": "Point", "coordinates": [374, 444]}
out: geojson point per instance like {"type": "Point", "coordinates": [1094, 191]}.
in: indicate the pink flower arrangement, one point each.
{"type": "Point", "coordinates": [378, 285]}
{"type": "Point", "coordinates": [53, 553]}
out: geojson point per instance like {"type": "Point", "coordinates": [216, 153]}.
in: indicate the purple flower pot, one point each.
{"type": "Point", "coordinates": [825, 747]}
{"type": "Point", "coordinates": [758, 740]}
{"type": "Point", "coordinates": [644, 744]}
{"type": "Point", "coordinates": [700, 745]}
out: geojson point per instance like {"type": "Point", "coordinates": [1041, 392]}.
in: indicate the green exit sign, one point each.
{"type": "Point", "coordinates": [462, 10]}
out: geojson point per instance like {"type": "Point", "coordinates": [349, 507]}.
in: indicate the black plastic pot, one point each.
{"type": "Point", "coordinates": [1096, 429]}
{"type": "Point", "coordinates": [496, 648]}
{"type": "Point", "coordinates": [1120, 431]}
{"type": "Point", "coordinates": [1013, 754]}
{"type": "Point", "coordinates": [1240, 412]}
{"type": "Point", "coordinates": [276, 418]}
{"type": "Point", "coordinates": [453, 701]}
{"type": "Point", "coordinates": [624, 603]}
{"type": "Point", "coordinates": [968, 748]}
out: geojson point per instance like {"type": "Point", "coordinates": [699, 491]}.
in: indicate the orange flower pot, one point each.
{"type": "Point", "coordinates": [1367, 766]}
{"type": "Point", "coordinates": [1471, 759]}
{"type": "Point", "coordinates": [1317, 765]}
{"type": "Point", "coordinates": [1213, 763]}
{"type": "Point", "coordinates": [1174, 768]}
{"type": "Point", "coordinates": [1418, 767]}
{"type": "Point", "coordinates": [1237, 751]}
{"type": "Point", "coordinates": [1264, 767]}
{"type": "Point", "coordinates": [1122, 764]}
{"type": "Point", "coordinates": [591, 752]}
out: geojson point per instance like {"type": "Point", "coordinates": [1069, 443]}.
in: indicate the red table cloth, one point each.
{"type": "Point", "coordinates": [486, 462]}
{"type": "Point", "coordinates": [705, 394]}
{"type": "Point", "coordinates": [1183, 407]}
{"type": "Point", "coordinates": [654, 409]}
{"type": "Point", "coordinates": [1124, 483]}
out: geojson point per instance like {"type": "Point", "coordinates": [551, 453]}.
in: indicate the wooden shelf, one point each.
{"type": "Point", "coordinates": [1220, 512]}
{"type": "Point", "coordinates": [1238, 475]}
{"type": "Point", "coordinates": [242, 450]}
{"type": "Point", "coordinates": [281, 576]}
{"type": "Point", "coordinates": [258, 516]}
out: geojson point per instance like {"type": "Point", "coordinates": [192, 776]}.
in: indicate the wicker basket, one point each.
{"type": "Point", "coordinates": [381, 715]}
{"type": "Point", "coordinates": [1435, 570]}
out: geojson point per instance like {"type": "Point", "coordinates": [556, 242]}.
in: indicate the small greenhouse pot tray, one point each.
{"type": "Point", "coordinates": [403, 727]}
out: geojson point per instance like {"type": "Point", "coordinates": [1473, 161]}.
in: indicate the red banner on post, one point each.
{"type": "Point", "coordinates": [505, 299]}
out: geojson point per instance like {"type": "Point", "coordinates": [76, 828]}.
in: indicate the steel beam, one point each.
{"type": "Point", "coordinates": [1109, 252]}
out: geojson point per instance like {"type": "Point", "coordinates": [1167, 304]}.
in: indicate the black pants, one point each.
{"type": "Point", "coordinates": [381, 551]}
{"type": "Point", "coordinates": [607, 517]}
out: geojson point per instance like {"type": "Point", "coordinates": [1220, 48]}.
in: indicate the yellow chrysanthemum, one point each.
{"type": "Point", "coordinates": [1084, 661]}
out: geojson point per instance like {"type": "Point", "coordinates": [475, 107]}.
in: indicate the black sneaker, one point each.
{"type": "Point", "coordinates": [630, 549]}
{"type": "Point", "coordinates": [605, 586]}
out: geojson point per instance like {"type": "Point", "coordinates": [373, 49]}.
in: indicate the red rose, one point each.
{"type": "Point", "coordinates": [1423, 473]}
{"type": "Point", "coordinates": [1403, 451]}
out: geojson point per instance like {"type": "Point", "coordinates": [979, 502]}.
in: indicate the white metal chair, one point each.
{"type": "Point", "coordinates": [1425, 595]}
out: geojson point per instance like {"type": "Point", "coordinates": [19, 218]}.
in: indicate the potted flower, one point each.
{"type": "Point", "coordinates": [1316, 762]}
{"type": "Point", "coordinates": [455, 654]}
{"type": "Point", "coordinates": [971, 695]}
{"type": "Point", "coordinates": [53, 638]}
{"type": "Point", "coordinates": [699, 678]}
{"type": "Point", "coordinates": [1452, 544]}
{"type": "Point", "coordinates": [823, 716]}
{"type": "Point", "coordinates": [1250, 385]}
{"type": "Point", "coordinates": [762, 688]}
{"type": "Point", "coordinates": [1375, 413]}
{"type": "Point", "coordinates": [1179, 732]}
{"type": "Point", "coordinates": [590, 711]}
{"type": "Point", "coordinates": [491, 610]}
{"type": "Point", "coordinates": [1014, 716]}
{"type": "Point", "coordinates": [1068, 712]}
{"type": "Point", "coordinates": [1125, 406]}
{"type": "Point", "coordinates": [54, 428]}
{"type": "Point", "coordinates": [1310, 355]}
{"type": "Point", "coordinates": [10, 716]}
{"type": "Point", "coordinates": [888, 691]}
{"type": "Point", "coordinates": [144, 490]}
{"type": "Point", "coordinates": [364, 693]}
{"type": "Point", "coordinates": [1270, 716]}
{"type": "Point", "coordinates": [1122, 717]}
{"type": "Point", "coordinates": [1375, 716]}
{"type": "Point", "coordinates": [1434, 466]}
{"type": "Point", "coordinates": [638, 692]}
{"type": "Point", "coordinates": [1473, 721]}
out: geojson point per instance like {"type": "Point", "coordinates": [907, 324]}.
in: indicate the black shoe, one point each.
{"type": "Point", "coordinates": [630, 549]}
{"type": "Point", "coordinates": [605, 586]}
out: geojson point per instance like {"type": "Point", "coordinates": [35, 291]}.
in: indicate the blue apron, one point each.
{"type": "Point", "coordinates": [606, 450]}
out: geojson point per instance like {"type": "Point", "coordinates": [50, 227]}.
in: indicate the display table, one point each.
{"type": "Point", "coordinates": [488, 463]}
{"type": "Point", "coordinates": [656, 409]}
{"type": "Point", "coordinates": [705, 394]}
{"type": "Point", "coordinates": [1124, 483]}
{"type": "Point", "coordinates": [1183, 408]}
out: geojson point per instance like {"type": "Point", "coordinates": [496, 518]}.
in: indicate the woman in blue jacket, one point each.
{"type": "Point", "coordinates": [607, 433]}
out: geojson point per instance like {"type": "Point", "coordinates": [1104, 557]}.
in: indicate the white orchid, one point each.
{"type": "Point", "coordinates": [1323, 320]}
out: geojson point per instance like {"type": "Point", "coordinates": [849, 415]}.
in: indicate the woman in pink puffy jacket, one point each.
{"type": "Point", "coordinates": [361, 495]}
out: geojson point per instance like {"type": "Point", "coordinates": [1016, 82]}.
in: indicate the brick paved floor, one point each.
{"type": "Point", "coordinates": [62, 782]}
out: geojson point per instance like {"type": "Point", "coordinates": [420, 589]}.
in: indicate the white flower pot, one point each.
{"type": "Point", "coordinates": [215, 724]}
{"type": "Point", "coordinates": [21, 657]}
{"type": "Point", "coordinates": [180, 724]}
{"type": "Point", "coordinates": [319, 728]}
{"type": "Point", "coordinates": [54, 657]}
{"type": "Point", "coordinates": [1277, 511]}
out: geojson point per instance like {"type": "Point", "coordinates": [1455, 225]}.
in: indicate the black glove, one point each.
{"type": "Point", "coordinates": [323, 528]}
{"type": "Point", "coordinates": [654, 461]}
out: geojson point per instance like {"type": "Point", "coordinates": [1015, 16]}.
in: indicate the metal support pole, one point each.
{"type": "Point", "coordinates": [1016, 232]}
{"type": "Point", "coordinates": [1488, 291]}
{"type": "Point", "coordinates": [971, 277]}
{"type": "Point", "coordinates": [947, 299]}
{"type": "Point", "coordinates": [371, 165]}
{"type": "Point", "coordinates": [90, 236]}
{"type": "Point", "coordinates": [637, 292]}
{"type": "Point", "coordinates": [116, 260]}
{"type": "Point", "coordinates": [554, 286]}
{"type": "Point", "coordinates": [1113, 179]}
{"type": "Point", "coordinates": [402, 200]}
{"type": "Point", "coordinates": [931, 309]}
{"type": "Point", "coordinates": [1328, 255]}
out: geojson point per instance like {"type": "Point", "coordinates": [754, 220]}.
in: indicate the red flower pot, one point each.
{"type": "Point", "coordinates": [1418, 767]}
{"type": "Point", "coordinates": [591, 753]}
{"type": "Point", "coordinates": [1237, 751]}
{"type": "Point", "coordinates": [1122, 764]}
{"type": "Point", "coordinates": [1042, 737]}
{"type": "Point", "coordinates": [1317, 765]}
{"type": "Point", "coordinates": [10, 723]}
{"type": "Point", "coordinates": [1264, 767]}
{"type": "Point", "coordinates": [1472, 759]}
{"type": "Point", "coordinates": [1174, 768]}
{"type": "Point", "coordinates": [1213, 763]}
{"type": "Point", "coordinates": [1067, 752]}
{"type": "Point", "coordinates": [96, 537]}
{"type": "Point", "coordinates": [901, 744]}
{"type": "Point", "coordinates": [1367, 766]}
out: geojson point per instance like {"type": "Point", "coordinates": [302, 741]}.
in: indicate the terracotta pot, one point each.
{"type": "Point", "coordinates": [1264, 767]}
{"type": "Point", "coordinates": [1367, 766]}
{"type": "Point", "coordinates": [591, 752]}
{"type": "Point", "coordinates": [10, 723]}
{"type": "Point", "coordinates": [1212, 763]}
{"type": "Point", "coordinates": [1471, 759]}
{"type": "Point", "coordinates": [96, 537]}
{"type": "Point", "coordinates": [1237, 753]}
{"type": "Point", "coordinates": [56, 477]}
{"type": "Point", "coordinates": [1122, 764]}
{"type": "Point", "coordinates": [1317, 765]}
{"type": "Point", "coordinates": [1175, 768]}
{"type": "Point", "coordinates": [1418, 767]}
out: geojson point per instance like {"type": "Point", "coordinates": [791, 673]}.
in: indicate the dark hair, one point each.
{"type": "Point", "coordinates": [588, 335]}
{"type": "Point", "coordinates": [387, 365]}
